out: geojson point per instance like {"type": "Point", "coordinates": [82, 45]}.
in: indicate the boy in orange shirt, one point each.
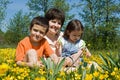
{"type": "Point", "coordinates": [33, 47]}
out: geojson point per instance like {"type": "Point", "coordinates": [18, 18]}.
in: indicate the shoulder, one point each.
{"type": "Point", "coordinates": [44, 41]}
{"type": "Point", "coordinates": [48, 40]}
{"type": "Point", "coordinates": [25, 40]}
{"type": "Point", "coordinates": [63, 41]}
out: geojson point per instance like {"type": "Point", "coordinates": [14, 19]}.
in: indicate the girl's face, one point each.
{"type": "Point", "coordinates": [37, 33]}
{"type": "Point", "coordinates": [74, 36]}
{"type": "Point", "coordinates": [54, 26]}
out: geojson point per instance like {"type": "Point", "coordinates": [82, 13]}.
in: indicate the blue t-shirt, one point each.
{"type": "Point", "coordinates": [69, 48]}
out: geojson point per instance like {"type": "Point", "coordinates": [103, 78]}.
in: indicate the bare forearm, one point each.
{"type": "Point", "coordinates": [21, 63]}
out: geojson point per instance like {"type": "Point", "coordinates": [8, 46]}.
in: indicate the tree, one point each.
{"type": "Point", "coordinates": [18, 27]}
{"type": "Point", "coordinates": [38, 6]}
{"type": "Point", "coordinates": [102, 22]}
{"type": "Point", "coordinates": [3, 6]}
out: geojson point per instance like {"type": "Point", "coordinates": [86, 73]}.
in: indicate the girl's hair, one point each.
{"type": "Point", "coordinates": [73, 25]}
{"type": "Point", "coordinates": [54, 13]}
{"type": "Point", "coordinates": [42, 21]}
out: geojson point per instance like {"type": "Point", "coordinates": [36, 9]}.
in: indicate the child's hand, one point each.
{"type": "Point", "coordinates": [86, 52]}
{"type": "Point", "coordinates": [57, 45]}
{"type": "Point", "coordinates": [39, 64]}
{"type": "Point", "coordinates": [58, 48]}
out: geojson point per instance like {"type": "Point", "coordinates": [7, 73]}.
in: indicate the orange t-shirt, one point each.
{"type": "Point", "coordinates": [25, 45]}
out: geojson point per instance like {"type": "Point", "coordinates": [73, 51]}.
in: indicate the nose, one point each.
{"type": "Point", "coordinates": [56, 24]}
{"type": "Point", "coordinates": [37, 33]}
{"type": "Point", "coordinates": [77, 38]}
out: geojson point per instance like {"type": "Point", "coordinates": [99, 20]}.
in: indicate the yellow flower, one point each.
{"type": "Point", "coordinates": [106, 75]}
{"type": "Point", "coordinates": [101, 77]}
{"type": "Point", "coordinates": [115, 69]}
{"type": "Point", "coordinates": [41, 71]}
{"type": "Point", "coordinates": [58, 79]}
{"type": "Point", "coordinates": [77, 76]}
{"type": "Point", "coordinates": [88, 45]}
{"type": "Point", "coordinates": [62, 73]}
{"type": "Point", "coordinates": [113, 73]}
{"type": "Point", "coordinates": [3, 68]}
{"type": "Point", "coordinates": [88, 77]}
{"type": "Point", "coordinates": [96, 74]}
{"type": "Point", "coordinates": [42, 78]}
{"type": "Point", "coordinates": [37, 78]}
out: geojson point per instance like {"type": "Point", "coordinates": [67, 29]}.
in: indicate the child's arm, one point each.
{"type": "Point", "coordinates": [88, 54]}
{"type": "Point", "coordinates": [85, 50]}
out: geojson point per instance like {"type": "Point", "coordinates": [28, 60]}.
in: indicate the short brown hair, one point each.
{"type": "Point", "coordinates": [42, 21]}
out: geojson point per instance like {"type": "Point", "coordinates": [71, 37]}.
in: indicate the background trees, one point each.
{"type": "Point", "coordinates": [18, 28]}
{"type": "Point", "coordinates": [3, 6]}
{"type": "Point", "coordinates": [101, 19]}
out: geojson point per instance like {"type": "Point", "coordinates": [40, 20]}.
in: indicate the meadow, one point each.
{"type": "Point", "coordinates": [108, 68]}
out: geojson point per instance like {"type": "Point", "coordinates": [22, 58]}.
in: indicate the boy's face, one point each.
{"type": "Point", "coordinates": [54, 26]}
{"type": "Point", "coordinates": [74, 35]}
{"type": "Point", "coordinates": [37, 33]}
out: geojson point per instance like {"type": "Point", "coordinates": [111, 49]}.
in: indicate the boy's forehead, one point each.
{"type": "Point", "coordinates": [39, 27]}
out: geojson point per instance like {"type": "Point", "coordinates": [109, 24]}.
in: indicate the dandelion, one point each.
{"type": "Point", "coordinates": [3, 68]}
{"type": "Point", "coordinates": [62, 73]}
{"type": "Point", "coordinates": [96, 74]}
{"type": "Point", "coordinates": [41, 71]}
{"type": "Point", "coordinates": [42, 78]}
{"type": "Point", "coordinates": [58, 79]}
{"type": "Point", "coordinates": [115, 69]}
{"type": "Point", "coordinates": [113, 73]}
{"type": "Point", "coordinates": [88, 77]}
{"type": "Point", "coordinates": [101, 77]}
{"type": "Point", "coordinates": [37, 78]}
{"type": "Point", "coordinates": [77, 76]}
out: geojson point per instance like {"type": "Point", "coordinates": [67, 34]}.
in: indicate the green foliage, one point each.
{"type": "Point", "coordinates": [52, 68]}
{"type": "Point", "coordinates": [18, 28]}
{"type": "Point", "coordinates": [110, 62]}
{"type": "Point", "coordinates": [38, 6]}
{"type": "Point", "coordinates": [3, 7]}
{"type": "Point", "coordinates": [102, 23]}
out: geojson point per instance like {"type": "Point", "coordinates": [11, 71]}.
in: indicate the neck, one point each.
{"type": "Point", "coordinates": [52, 37]}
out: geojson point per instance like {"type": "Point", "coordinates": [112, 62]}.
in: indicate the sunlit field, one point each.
{"type": "Point", "coordinates": [101, 66]}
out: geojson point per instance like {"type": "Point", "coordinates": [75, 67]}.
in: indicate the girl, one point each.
{"type": "Point", "coordinates": [71, 41]}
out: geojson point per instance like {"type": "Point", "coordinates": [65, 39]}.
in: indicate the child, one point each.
{"type": "Point", "coordinates": [31, 48]}
{"type": "Point", "coordinates": [71, 42]}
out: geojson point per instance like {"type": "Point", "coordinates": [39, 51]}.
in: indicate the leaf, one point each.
{"type": "Point", "coordinates": [103, 59]}
{"type": "Point", "coordinates": [84, 74]}
{"type": "Point", "coordinates": [112, 60]}
{"type": "Point", "coordinates": [105, 67]}
{"type": "Point", "coordinates": [92, 69]}
{"type": "Point", "coordinates": [59, 66]}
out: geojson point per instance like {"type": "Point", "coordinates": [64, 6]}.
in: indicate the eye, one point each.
{"type": "Point", "coordinates": [53, 21]}
{"type": "Point", "coordinates": [41, 32]}
{"type": "Point", "coordinates": [59, 23]}
{"type": "Point", "coordinates": [35, 30]}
